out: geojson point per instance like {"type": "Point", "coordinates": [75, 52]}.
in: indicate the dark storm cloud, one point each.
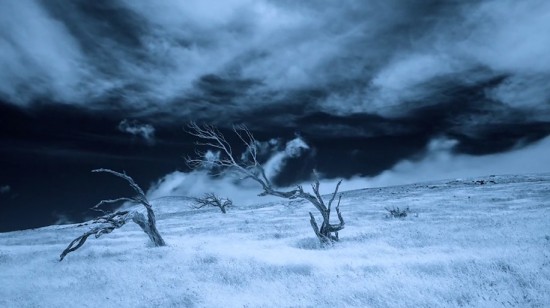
{"type": "Point", "coordinates": [210, 59]}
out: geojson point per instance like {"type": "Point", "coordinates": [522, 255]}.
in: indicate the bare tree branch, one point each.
{"type": "Point", "coordinates": [252, 169]}
{"type": "Point", "coordinates": [102, 202]}
{"type": "Point", "coordinates": [124, 176]}
{"type": "Point", "coordinates": [334, 194]}
{"type": "Point", "coordinates": [111, 222]}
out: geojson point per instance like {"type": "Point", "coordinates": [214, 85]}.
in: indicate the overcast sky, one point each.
{"type": "Point", "coordinates": [381, 92]}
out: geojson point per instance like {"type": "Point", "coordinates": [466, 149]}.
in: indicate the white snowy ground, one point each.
{"type": "Point", "coordinates": [464, 244]}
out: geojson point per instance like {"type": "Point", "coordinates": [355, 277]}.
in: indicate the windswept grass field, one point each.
{"type": "Point", "coordinates": [464, 244]}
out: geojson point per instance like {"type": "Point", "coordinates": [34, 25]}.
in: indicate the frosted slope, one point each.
{"type": "Point", "coordinates": [464, 244]}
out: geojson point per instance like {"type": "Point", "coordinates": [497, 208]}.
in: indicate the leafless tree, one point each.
{"type": "Point", "coordinates": [210, 199]}
{"type": "Point", "coordinates": [248, 167]}
{"type": "Point", "coordinates": [111, 221]}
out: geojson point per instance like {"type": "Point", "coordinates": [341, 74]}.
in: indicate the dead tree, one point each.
{"type": "Point", "coordinates": [210, 199]}
{"type": "Point", "coordinates": [111, 221]}
{"type": "Point", "coordinates": [248, 167]}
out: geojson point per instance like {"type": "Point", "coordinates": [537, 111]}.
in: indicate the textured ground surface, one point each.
{"type": "Point", "coordinates": [463, 244]}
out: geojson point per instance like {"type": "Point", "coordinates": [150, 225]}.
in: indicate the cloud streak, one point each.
{"type": "Point", "coordinates": [439, 163]}
{"type": "Point", "coordinates": [144, 131]}
{"type": "Point", "coordinates": [377, 57]}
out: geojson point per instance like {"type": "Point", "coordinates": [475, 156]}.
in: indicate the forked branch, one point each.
{"type": "Point", "coordinates": [112, 221]}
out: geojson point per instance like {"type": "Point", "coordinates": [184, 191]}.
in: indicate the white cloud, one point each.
{"type": "Point", "coordinates": [209, 158]}
{"type": "Point", "coordinates": [38, 56]}
{"type": "Point", "coordinates": [404, 80]}
{"type": "Point", "coordinates": [196, 183]}
{"type": "Point", "coordinates": [241, 192]}
{"type": "Point", "coordinates": [62, 219]}
{"type": "Point", "coordinates": [296, 147]}
{"type": "Point", "coordinates": [262, 149]}
{"type": "Point", "coordinates": [479, 41]}
{"type": "Point", "coordinates": [229, 184]}
{"type": "Point", "coordinates": [530, 92]}
{"type": "Point", "coordinates": [293, 149]}
{"type": "Point", "coordinates": [145, 131]}
{"type": "Point", "coordinates": [509, 36]}
{"type": "Point", "coordinates": [440, 162]}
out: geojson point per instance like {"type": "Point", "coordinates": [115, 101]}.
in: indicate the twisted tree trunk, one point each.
{"type": "Point", "coordinates": [112, 221]}
{"type": "Point", "coordinates": [325, 233]}
{"type": "Point", "coordinates": [149, 225]}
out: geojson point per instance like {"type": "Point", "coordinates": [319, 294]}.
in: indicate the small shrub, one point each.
{"type": "Point", "coordinates": [397, 213]}
{"type": "Point", "coordinates": [210, 199]}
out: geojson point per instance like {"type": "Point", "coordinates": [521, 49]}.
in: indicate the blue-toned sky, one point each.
{"type": "Point", "coordinates": [382, 91]}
